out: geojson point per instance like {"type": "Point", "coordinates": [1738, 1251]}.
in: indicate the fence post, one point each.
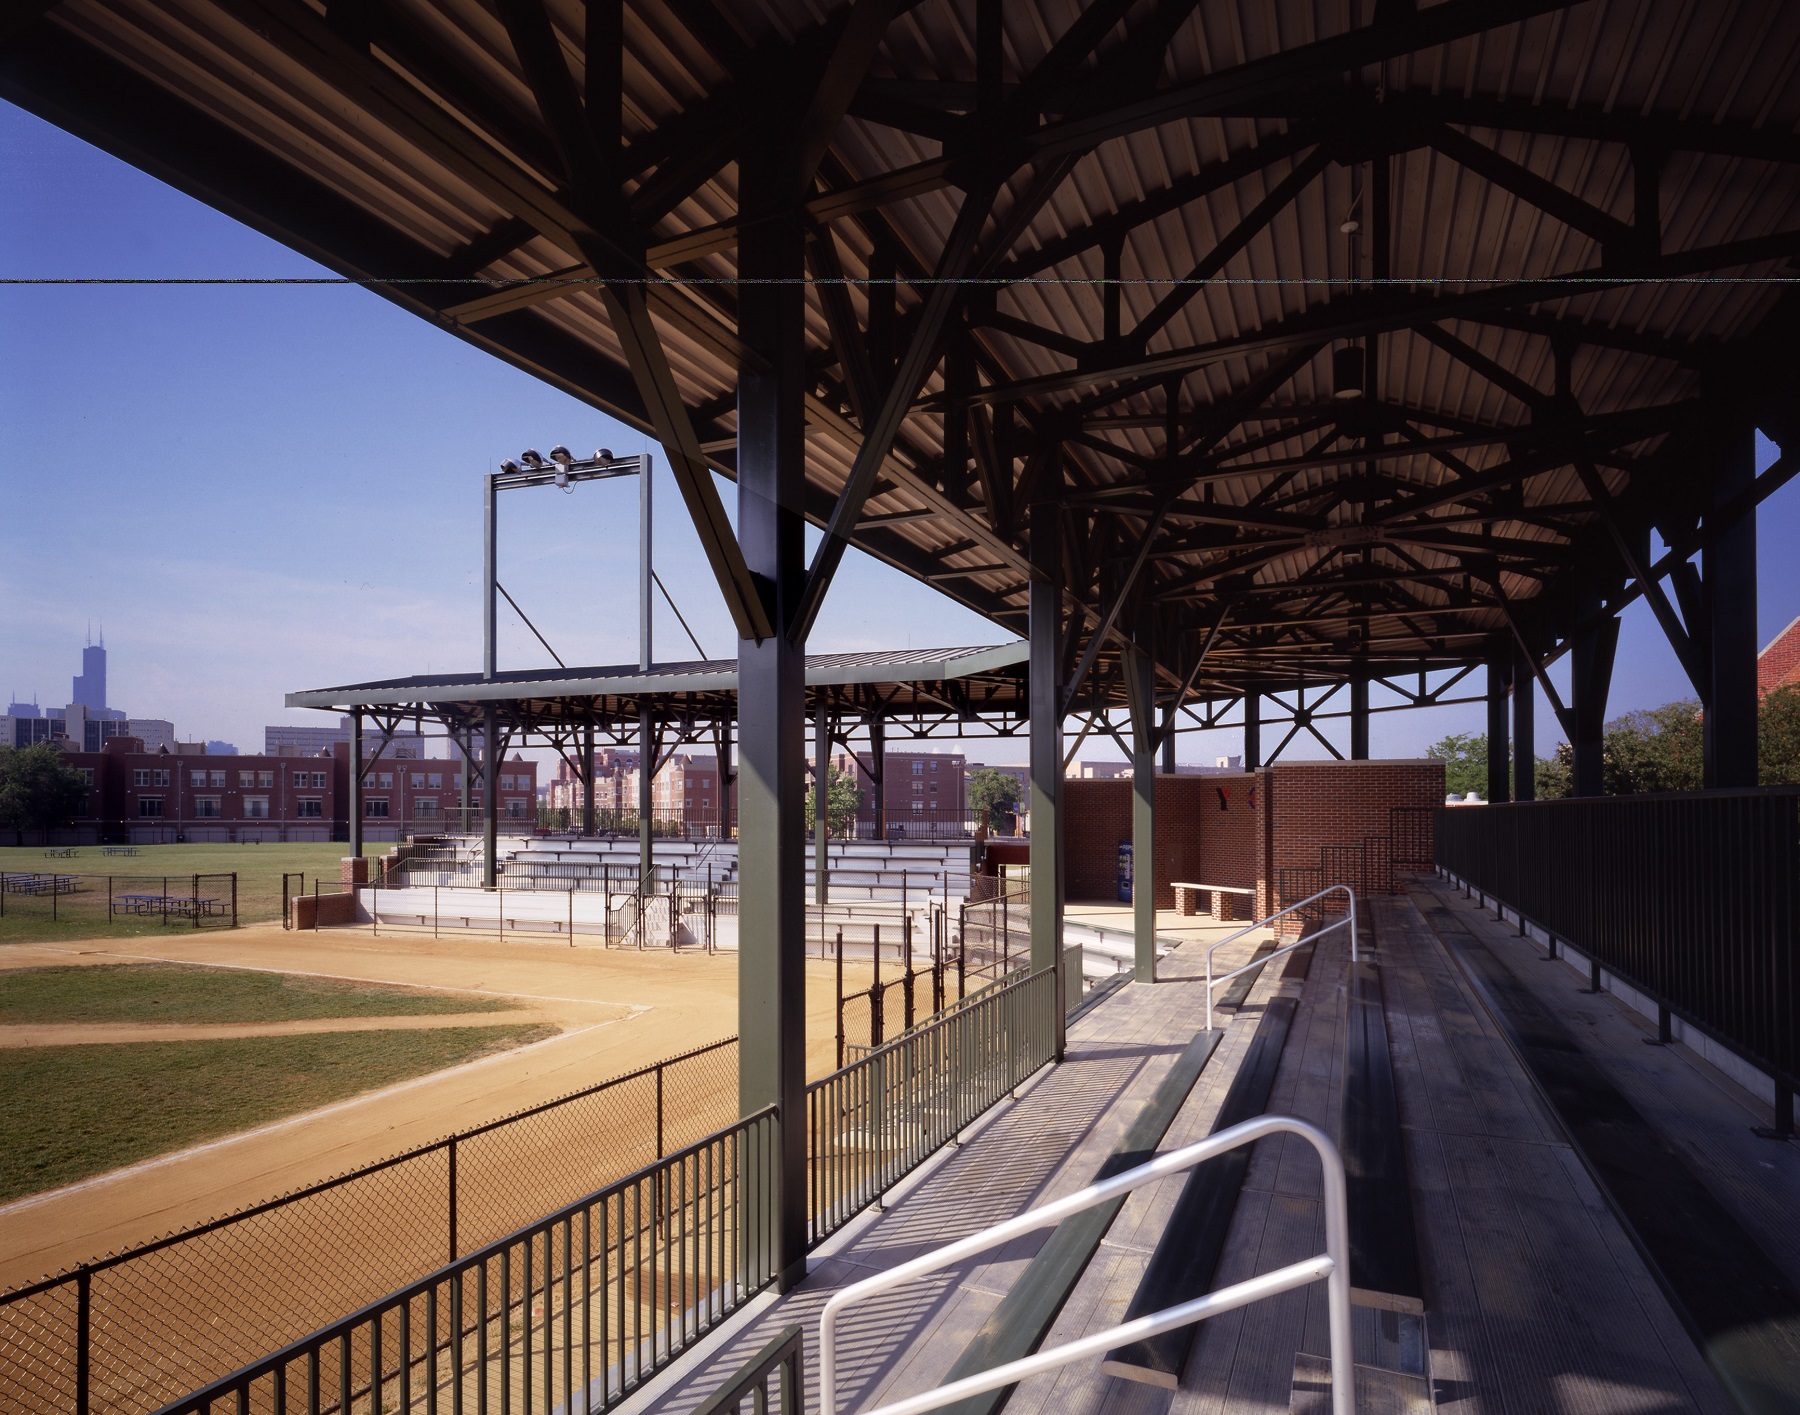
{"type": "Point", "coordinates": [452, 1147]}
{"type": "Point", "coordinates": [906, 941]}
{"type": "Point", "coordinates": [660, 1148]}
{"type": "Point", "coordinates": [196, 901]}
{"type": "Point", "coordinates": [84, 1309]}
{"type": "Point", "coordinates": [840, 998]}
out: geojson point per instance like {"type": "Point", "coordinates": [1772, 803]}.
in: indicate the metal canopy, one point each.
{"type": "Point", "coordinates": [975, 690]}
{"type": "Point", "coordinates": [1100, 263]}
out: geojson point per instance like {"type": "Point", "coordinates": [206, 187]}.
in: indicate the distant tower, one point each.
{"type": "Point", "coordinates": [90, 683]}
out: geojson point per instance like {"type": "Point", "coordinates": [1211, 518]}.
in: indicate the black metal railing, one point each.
{"type": "Point", "coordinates": [1693, 899]}
{"type": "Point", "coordinates": [872, 1122]}
{"type": "Point", "coordinates": [757, 1383]}
{"type": "Point", "coordinates": [140, 1327]}
{"type": "Point", "coordinates": [587, 1303]}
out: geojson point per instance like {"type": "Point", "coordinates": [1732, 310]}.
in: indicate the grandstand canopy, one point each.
{"type": "Point", "coordinates": [1110, 270]}
{"type": "Point", "coordinates": [972, 691]}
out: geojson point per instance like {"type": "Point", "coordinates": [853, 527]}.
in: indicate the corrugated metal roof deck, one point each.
{"type": "Point", "coordinates": [1640, 152]}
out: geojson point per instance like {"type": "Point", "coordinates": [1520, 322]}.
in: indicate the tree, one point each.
{"type": "Point", "coordinates": [1465, 759]}
{"type": "Point", "coordinates": [1555, 774]}
{"type": "Point", "coordinates": [37, 792]}
{"type": "Point", "coordinates": [994, 796]}
{"type": "Point", "coordinates": [842, 801]}
{"type": "Point", "coordinates": [1660, 749]}
{"type": "Point", "coordinates": [1778, 734]}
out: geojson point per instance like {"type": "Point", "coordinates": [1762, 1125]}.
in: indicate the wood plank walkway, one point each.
{"type": "Point", "coordinates": [1537, 1301]}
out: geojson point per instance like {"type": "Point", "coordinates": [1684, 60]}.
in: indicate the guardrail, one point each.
{"type": "Point", "coordinates": [590, 1301]}
{"type": "Point", "coordinates": [872, 1122]}
{"type": "Point", "coordinates": [1348, 919]}
{"type": "Point", "coordinates": [1692, 898]}
{"type": "Point", "coordinates": [756, 1383]}
{"type": "Point", "coordinates": [1332, 1266]}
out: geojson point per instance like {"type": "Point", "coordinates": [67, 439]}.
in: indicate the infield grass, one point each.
{"type": "Point", "coordinates": [172, 992]}
{"type": "Point", "coordinates": [70, 1112]}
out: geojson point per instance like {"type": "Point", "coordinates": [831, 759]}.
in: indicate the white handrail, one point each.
{"type": "Point", "coordinates": [1349, 918]}
{"type": "Point", "coordinates": [1333, 1265]}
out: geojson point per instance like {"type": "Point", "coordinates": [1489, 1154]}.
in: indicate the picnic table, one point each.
{"type": "Point", "coordinates": [63, 852]}
{"type": "Point", "coordinates": [120, 850]}
{"type": "Point", "coordinates": [40, 883]}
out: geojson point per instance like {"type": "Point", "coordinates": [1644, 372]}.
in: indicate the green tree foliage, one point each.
{"type": "Point", "coordinates": [1778, 733]}
{"type": "Point", "coordinates": [842, 801]}
{"type": "Point", "coordinates": [995, 796]}
{"type": "Point", "coordinates": [1555, 774]}
{"type": "Point", "coordinates": [1465, 759]}
{"type": "Point", "coordinates": [37, 792]}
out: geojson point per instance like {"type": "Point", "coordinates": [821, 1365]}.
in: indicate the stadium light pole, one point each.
{"type": "Point", "coordinates": [562, 470]}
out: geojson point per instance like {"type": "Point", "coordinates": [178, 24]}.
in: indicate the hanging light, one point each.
{"type": "Point", "coordinates": [1347, 370]}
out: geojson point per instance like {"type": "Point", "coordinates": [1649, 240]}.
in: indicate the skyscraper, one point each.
{"type": "Point", "coordinates": [90, 683]}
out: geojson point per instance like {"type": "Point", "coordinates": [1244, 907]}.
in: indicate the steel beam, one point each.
{"type": "Point", "coordinates": [1524, 727]}
{"type": "Point", "coordinates": [646, 773]}
{"type": "Point", "coordinates": [878, 772]}
{"type": "Point", "coordinates": [1045, 615]}
{"type": "Point", "coordinates": [587, 780]}
{"type": "Point", "coordinates": [1252, 728]}
{"type": "Point", "coordinates": [1499, 687]}
{"type": "Point", "coordinates": [355, 804]}
{"type": "Point", "coordinates": [1140, 683]}
{"type": "Point", "coordinates": [1590, 679]}
{"type": "Point", "coordinates": [821, 805]}
{"type": "Point", "coordinates": [1729, 565]}
{"type": "Point", "coordinates": [1359, 713]}
{"type": "Point", "coordinates": [772, 689]}
{"type": "Point", "coordinates": [490, 796]}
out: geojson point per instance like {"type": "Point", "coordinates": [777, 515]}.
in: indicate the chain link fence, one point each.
{"type": "Point", "coordinates": [50, 896]}
{"type": "Point", "coordinates": [132, 1331]}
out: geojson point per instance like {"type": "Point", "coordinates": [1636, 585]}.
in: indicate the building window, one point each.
{"type": "Point", "coordinates": [515, 808]}
{"type": "Point", "coordinates": [140, 777]}
{"type": "Point", "coordinates": [206, 807]}
{"type": "Point", "coordinates": [425, 806]}
{"type": "Point", "coordinates": [86, 773]}
{"type": "Point", "coordinates": [160, 777]}
{"type": "Point", "coordinates": [150, 805]}
{"type": "Point", "coordinates": [299, 781]}
{"type": "Point", "coordinates": [918, 768]}
{"type": "Point", "coordinates": [385, 780]}
{"type": "Point", "coordinates": [217, 779]}
{"type": "Point", "coordinates": [418, 781]}
{"type": "Point", "coordinates": [375, 806]}
{"type": "Point", "coordinates": [506, 783]}
{"type": "Point", "coordinates": [81, 809]}
{"type": "Point", "coordinates": [199, 779]}
{"type": "Point", "coordinates": [265, 779]}
{"type": "Point", "coordinates": [435, 780]}
{"type": "Point", "coordinates": [318, 781]}
{"type": "Point", "coordinates": [256, 808]}
{"type": "Point", "coordinates": [918, 788]}
{"type": "Point", "coordinates": [934, 788]}
{"type": "Point", "coordinates": [934, 766]}
{"type": "Point", "coordinates": [308, 808]}
{"type": "Point", "coordinates": [919, 806]}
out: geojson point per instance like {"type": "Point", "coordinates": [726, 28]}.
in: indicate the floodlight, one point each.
{"type": "Point", "coordinates": [559, 453]}
{"type": "Point", "coordinates": [604, 454]}
{"type": "Point", "coordinates": [531, 458]}
{"type": "Point", "coordinates": [509, 465]}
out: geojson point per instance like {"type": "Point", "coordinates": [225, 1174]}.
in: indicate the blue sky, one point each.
{"type": "Point", "coordinates": [260, 489]}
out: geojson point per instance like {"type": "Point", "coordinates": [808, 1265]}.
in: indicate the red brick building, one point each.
{"type": "Point", "coordinates": [1778, 665]}
{"type": "Point", "coordinates": [926, 793]}
{"type": "Point", "coordinates": [404, 796]}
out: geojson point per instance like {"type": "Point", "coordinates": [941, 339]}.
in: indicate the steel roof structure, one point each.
{"type": "Point", "coordinates": [966, 690]}
{"type": "Point", "coordinates": [1089, 264]}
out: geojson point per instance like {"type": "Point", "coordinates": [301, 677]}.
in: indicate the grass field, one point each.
{"type": "Point", "coordinates": [69, 1112]}
{"type": "Point", "coordinates": [154, 992]}
{"type": "Point", "coordinates": [259, 869]}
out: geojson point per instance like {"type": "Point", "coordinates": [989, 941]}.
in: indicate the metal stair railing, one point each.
{"type": "Point", "coordinates": [1332, 1266]}
{"type": "Point", "coordinates": [1349, 918]}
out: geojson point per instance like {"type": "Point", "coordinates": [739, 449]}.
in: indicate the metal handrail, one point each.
{"type": "Point", "coordinates": [1333, 1265]}
{"type": "Point", "coordinates": [1349, 918]}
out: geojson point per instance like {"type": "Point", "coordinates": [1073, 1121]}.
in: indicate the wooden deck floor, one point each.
{"type": "Point", "coordinates": [1537, 1300]}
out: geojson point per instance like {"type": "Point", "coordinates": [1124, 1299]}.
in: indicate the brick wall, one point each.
{"type": "Point", "coordinates": [1240, 828]}
{"type": "Point", "coordinates": [1778, 665]}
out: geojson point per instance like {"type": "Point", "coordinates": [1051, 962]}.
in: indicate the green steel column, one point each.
{"type": "Point", "coordinates": [1141, 681]}
{"type": "Point", "coordinates": [1499, 688]}
{"type": "Point", "coordinates": [821, 804]}
{"type": "Point", "coordinates": [1729, 564]}
{"type": "Point", "coordinates": [587, 779]}
{"type": "Point", "coordinates": [355, 804]}
{"type": "Point", "coordinates": [1252, 728]}
{"type": "Point", "coordinates": [490, 795]}
{"type": "Point", "coordinates": [878, 773]}
{"type": "Point", "coordinates": [1524, 728]}
{"type": "Point", "coordinates": [1359, 713]}
{"type": "Point", "coordinates": [646, 797]}
{"type": "Point", "coordinates": [467, 777]}
{"type": "Point", "coordinates": [1045, 616]}
{"type": "Point", "coordinates": [772, 691]}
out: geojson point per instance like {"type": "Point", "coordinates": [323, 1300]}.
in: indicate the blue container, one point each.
{"type": "Point", "coordinates": [1124, 872]}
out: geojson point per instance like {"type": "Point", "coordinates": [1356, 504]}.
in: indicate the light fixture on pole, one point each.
{"type": "Point", "coordinates": [1348, 372]}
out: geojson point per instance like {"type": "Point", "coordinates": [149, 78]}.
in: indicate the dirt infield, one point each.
{"type": "Point", "coordinates": [619, 1010]}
